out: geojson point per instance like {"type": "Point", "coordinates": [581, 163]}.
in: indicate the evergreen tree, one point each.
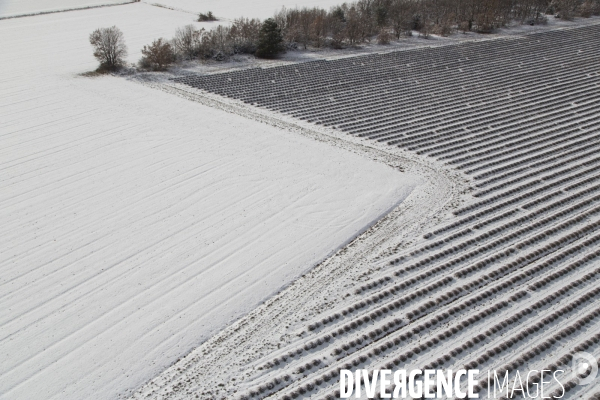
{"type": "Point", "coordinates": [270, 40]}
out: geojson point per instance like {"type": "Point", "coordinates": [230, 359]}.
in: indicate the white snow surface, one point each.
{"type": "Point", "coordinates": [13, 8]}
{"type": "Point", "coordinates": [231, 9]}
{"type": "Point", "coordinates": [134, 223]}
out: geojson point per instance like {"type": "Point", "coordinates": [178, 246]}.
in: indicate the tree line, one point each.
{"type": "Point", "coordinates": [367, 20]}
{"type": "Point", "coordinates": [351, 24]}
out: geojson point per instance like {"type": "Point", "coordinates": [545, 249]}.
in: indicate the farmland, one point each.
{"type": "Point", "coordinates": [135, 224]}
{"type": "Point", "coordinates": [239, 8]}
{"type": "Point", "coordinates": [509, 280]}
{"type": "Point", "coordinates": [246, 233]}
{"type": "Point", "coordinates": [10, 9]}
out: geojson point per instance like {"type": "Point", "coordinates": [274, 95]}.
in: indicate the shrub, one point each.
{"type": "Point", "coordinates": [384, 37]}
{"type": "Point", "coordinates": [158, 55]}
{"type": "Point", "coordinates": [206, 17]}
{"type": "Point", "coordinates": [444, 28]}
{"type": "Point", "coordinates": [109, 48]}
{"type": "Point", "coordinates": [270, 40]}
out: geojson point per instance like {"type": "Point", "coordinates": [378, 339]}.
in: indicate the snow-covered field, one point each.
{"type": "Point", "coordinates": [509, 281]}
{"type": "Point", "coordinates": [148, 222]}
{"type": "Point", "coordinates": [13, 8]}
{"type": "Point", "coordinates": [134, 223]}
{"type": "Point", "coordinates": [232, 9]}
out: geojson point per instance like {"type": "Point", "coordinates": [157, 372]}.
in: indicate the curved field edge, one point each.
{"type": "Point", "coordinates": [512, 283]}
{"type": "Point", "coordinates": [218, 361]}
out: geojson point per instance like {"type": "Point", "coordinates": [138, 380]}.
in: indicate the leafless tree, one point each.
{"type": "Point", "coordinates": [282, 18]}
{"type": "Point", "coordinates": [220, 42]}
{"type": "Point", "coordinates": [319, 27]}
{"type": "Point", "coordinates": [400, 15]}
{"type": "Point", "coordinates": [589, 8]}
{"type": "Point", "coordinates": [530, 11]}
{"type": "Point", "coordinates": [290, 23]}
{"type": "Point", "coordinates": [353, 27]}
{"type": "Point", "coordinates": [158, 55]}
{"type": "Point", "coordinates": [567, 8]}
{"type": "Point", "coordinates": [109, 47]}
{"type": "Point", "coordinates": [366, 19]}
{"type": "Point", "coordinates": [359, 21]}
{"type": "Point", "coordinates": [336, 20]}
{"type": "Point", "coordinates": [186, 42]}
{"type": "Point", "coordinates": [305, 20]}
{"type": "Point", "coordinates": [243, 35]}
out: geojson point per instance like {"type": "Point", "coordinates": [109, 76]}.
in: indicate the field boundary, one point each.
{"type": "Point", "coordinates": [67, 9]}
{"type": "Point", "coordinates": [373, 150]}
{"type": "Point", "coordinates": [169, 8]}
{"type": "Point", "coordinates": [395, 229]}
{"type": "Point", "coordinates": [516, 120]}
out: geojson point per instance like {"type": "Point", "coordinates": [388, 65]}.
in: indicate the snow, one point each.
{"type": "Point", "coordinates": [136, 224]}
{"type": "Point", "coordinates": [12, 8]}
{"type": "Point", "coordinates": [505, 274]}
{"type": "Point", "coordinates": [232, 9]}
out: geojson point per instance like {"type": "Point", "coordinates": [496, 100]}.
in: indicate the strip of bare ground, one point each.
{"type": "Point", "coordinates": [210, 368]}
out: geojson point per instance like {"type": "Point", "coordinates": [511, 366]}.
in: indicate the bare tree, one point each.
{"type": "Point", "coordinates": [359, 21]}
{"type": "Point", "coordinates": [158, 55]}
{"type": "Point", "coordinates": [244, 34]}
{"type": "Point", "coordinates": [353, 25]}
{"type": "Point", "coordinates": [319, 27]}
{"type": "Point", "coordinates": [336, 21]}
{"type": "Point", "coordinates": [400, 15]}
{"type": "Point", "coordinates": [219, 41]}
{"type": "Point", "coordinates": [282, 18]}
{"type": "Point", "coordinates": [291, 22]}
{"type": "Point", "coordinates": [187, 41]}
{"type": "Point", "coordinates": [589, 8]}
{"type": "Point", "coordinates": [567, 8]}
{"type": "Point", "coordinates": [109, 47]}
{"type": "Point", "coordinates": [530, 11]}
{"type": "Point", "coordinates": [305, 18]}
{"type": "Point", "coordinates": [366, 19]}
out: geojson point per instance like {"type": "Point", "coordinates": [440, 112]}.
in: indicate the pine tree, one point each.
{"type": "Point", "coordinates": [270, 40]}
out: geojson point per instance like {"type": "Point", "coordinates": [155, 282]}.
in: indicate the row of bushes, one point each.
{"type": "Point", "coordinates": [243, 36]}
{"type": "Point", "coordinates": [349, 24]}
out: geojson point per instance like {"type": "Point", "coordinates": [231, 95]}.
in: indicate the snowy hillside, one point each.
{"type": "Point", "coordinates": [135, 224]}
{"type": "Point", "coordinates": [232, 9]}
{"type": "Point", "coordinates": [12, 8]}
